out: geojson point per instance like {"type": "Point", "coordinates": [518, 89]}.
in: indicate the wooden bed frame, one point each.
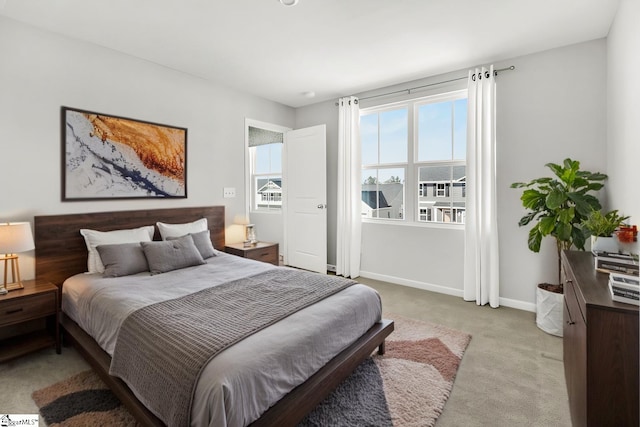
{"type": "Point", "coordinates": [61, 252]}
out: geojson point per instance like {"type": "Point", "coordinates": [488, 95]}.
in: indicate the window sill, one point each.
{"type": "Point", "coordinates": [440, 225]}
{"type": "Point", "coordinates": [266, 212]}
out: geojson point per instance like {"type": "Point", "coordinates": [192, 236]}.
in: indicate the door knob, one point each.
{"type": "Point", "coordinates": [321, 206]}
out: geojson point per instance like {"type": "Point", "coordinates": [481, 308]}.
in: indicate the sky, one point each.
{"type": "Point", "coordinates": [269, 159]}
{"type": "Point", "coordinates": [442, 135]}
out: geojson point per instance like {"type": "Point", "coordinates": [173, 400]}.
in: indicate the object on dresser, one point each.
{"type": "Point", "coordinates": [625, 288]}
{"type": "Point", "coordinates": [609, 262]}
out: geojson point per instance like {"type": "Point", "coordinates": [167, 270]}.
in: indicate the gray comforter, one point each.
{"type": "Point", "coordinates": [247, 378]}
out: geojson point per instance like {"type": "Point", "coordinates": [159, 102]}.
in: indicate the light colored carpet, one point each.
{"type": "Point", "coordinates": [511, 374]}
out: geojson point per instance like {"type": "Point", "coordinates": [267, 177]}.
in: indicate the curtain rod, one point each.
{"type": "Point", "coordinates": [408, 91]}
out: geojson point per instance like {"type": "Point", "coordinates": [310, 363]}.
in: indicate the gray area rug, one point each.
{"type": "Point", "coordinates": [358, 401]}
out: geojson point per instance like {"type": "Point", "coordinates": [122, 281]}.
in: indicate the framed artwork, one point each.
{"type": "Point", "coordinates": [111, 157]}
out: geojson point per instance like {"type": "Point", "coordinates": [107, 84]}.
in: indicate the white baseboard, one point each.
{"type": "Point", "coordinates": [520, 305]}
{"type": "Point", "coordinates": [331, 268]}
{"type": "Point", "coordinates": [507, 302]}
{"type": "Point", "coordinates": [412, 283]}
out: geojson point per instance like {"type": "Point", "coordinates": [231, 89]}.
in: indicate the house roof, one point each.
{"type": "Point", "coordinates": [369, 197]}
{"type": "Point", "coordinates": [442, 173]}
{"type": "Point", "coordinates": [273, 185]}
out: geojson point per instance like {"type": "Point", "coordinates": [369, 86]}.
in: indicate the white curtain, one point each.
{"type": "Point", "coordinates": [349, 227]}
{"type": "Point", "coordinates": [481, 275]}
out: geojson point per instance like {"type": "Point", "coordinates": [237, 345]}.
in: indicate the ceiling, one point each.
{"type": "Point", "coordinates": [330, 47]}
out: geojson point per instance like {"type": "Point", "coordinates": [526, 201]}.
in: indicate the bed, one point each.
{"type": "Point", "coordinates": [61, 253]}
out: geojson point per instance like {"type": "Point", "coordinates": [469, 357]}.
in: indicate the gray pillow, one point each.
{"type": "Point", "coordinates": [171, 255]}
{"type": "Point", "coordinates": [202, 240]}
{"type": "Point", "coordinates": [122, 259]}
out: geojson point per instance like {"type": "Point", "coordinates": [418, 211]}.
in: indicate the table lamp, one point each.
{"type": "Point", "coordinates": [15, 237]}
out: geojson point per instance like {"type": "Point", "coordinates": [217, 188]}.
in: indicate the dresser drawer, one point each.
{"type": "Point", "coordinates": [31, 307]}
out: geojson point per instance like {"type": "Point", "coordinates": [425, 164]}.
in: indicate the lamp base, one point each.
{"type": "Point", "coordinates": [15, 272]}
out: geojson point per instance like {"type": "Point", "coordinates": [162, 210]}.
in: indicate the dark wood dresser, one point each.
{"type": "Point", "coordinates": [600, 343]}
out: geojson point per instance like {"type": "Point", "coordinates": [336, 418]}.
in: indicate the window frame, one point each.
{"type": "Point", "coordinates": [412, 186]}
{"type": "Point", "coordinates": [250, 181]}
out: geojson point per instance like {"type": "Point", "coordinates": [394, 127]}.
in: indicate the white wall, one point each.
{"type": "Point", "coordinates": [623, 112]}
{"type": "Point", "coordinates": [41, 71]}
{"type": "Point", "coordinates": [551, 107]}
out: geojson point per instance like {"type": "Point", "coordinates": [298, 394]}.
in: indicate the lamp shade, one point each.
{"type": "Point", "coordinates": [241, 219]}
{"type": "Point", "coordinates": [16, 237]}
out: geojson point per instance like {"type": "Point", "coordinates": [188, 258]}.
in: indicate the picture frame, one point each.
{"type": "Point", "coordinates": [108, 157]}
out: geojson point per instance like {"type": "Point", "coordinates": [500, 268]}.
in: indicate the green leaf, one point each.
{"type": "Point", "coordinates": [555, 199]}
{"type": "Point", "coordinates": [535, 239]}
{"type": "Point", "coordinates": [531, 198]}
{"type": "Point", "coordinates": [579, 237]}
{"type": "Point", "coordinates": [582, 205]}
{"type": "Point", "coordinates": [563, 231]}
{"type": "Point", "coordinates": [595, 176]}
{"type": "Point", "coordinates": [527, 219]}
{"type": "Point", "coordinates": [593, 202]}
{"type": "Point", "coordinates": [557, 169]}
{"type": "Point", "coordinates": [572, 165]}
{"type": "Point", "coordinates": [567, 215]}
{"type": "Point", "coordinates": [546, 225]}
{"type": "Point", "coordinates": [595, 186]}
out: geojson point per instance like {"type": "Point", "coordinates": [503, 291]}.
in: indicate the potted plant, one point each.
{"type": "Point", "coordinates": [602, 227]}
{"type": "Point", "coordinates": [556, 207]}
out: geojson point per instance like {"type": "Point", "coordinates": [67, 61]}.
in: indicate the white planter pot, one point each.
{"type": "Point", "coordinates": [549, 311]}
{"type": "Point", "coordinates": [608, 244]}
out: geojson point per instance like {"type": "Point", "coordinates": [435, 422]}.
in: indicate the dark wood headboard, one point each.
{"type": "Point", "coordinates": [61, 251]}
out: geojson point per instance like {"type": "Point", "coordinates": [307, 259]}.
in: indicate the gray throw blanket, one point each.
{"type": "Point", "coordinates": [162, 348]}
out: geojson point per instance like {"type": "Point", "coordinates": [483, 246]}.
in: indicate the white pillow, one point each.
{"type": "Point", "coordinates": [94, 238]}
{"type": "Point", "coordinates": [179, 230]}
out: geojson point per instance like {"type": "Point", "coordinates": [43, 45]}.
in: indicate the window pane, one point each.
{"type": "Point", "coordinates": [383, 193]}
{"type": "Point", "coordinates": [434, 131]}
{"type": "Point", "coordinates": [369, 138]}
{"type": "Point", "coordinates": [441, 193]}
{"type": "Point", "coordinates": [268, 192]}
{"type": "Point", "coordinates": [268, 158]}
{"type": "Point", "coordinates": [267, 176]}
{"type": "Point", "coordinates": [394, 131]}
{"type": "Point", "coordinates": [460, 129]}
{"type": "Point", "coordinates": [275, 156]}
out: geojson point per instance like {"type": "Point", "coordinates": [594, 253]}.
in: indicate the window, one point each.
{"type": "Point", "coordinates": [383, 135]}
{"type": "Point", "coordinates": [265, 153]}
{"type": "Point", "coordinates": [420, 145]}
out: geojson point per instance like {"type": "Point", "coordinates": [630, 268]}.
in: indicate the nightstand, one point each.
{"type": "Point", "coordinates": [29, 319]}
{"type": "Point", "coordinates": [261, 251]}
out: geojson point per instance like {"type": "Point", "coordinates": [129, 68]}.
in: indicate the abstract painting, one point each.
{"type": "Point", "coordinates": [111, 157]}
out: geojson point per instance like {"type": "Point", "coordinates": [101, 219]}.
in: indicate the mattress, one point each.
{"type": "Point", "coordinates": [244, 380]}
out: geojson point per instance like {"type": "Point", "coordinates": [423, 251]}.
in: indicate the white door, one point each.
{"type": "Point", "coordinates": [305, 205]}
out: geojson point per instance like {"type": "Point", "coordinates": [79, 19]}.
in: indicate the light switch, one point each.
{"type": "Point", "coordinates": [229, 192]}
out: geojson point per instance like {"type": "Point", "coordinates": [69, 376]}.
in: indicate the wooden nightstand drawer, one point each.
{"type": "Point", "coordinates": [29, 319]}
{"type": "Point", "coordinates": [22, 309]}
{"type": "Point", "coordinates": [262, 251]}
{"type": "Point", "coordinates": [264, 255]}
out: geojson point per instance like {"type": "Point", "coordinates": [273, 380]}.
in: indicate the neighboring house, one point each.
{"type": "Point", "coordinates": [269, 194]}
{"type": "Point", "coordinates": [442, 194]}
{"type": "Point", "coordinates": [383, 200]}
